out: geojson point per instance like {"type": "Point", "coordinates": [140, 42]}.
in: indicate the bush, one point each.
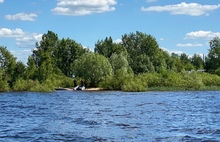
{"type": "Point", "coordinates": [4, 86]}
{"type": "Point", "coordinates": [43, 87]}
{"type": "Point", "coordinates": [136, 84]}
{"type": "Point", "coordinates": [210, 79]}
{"type": "Point", "coordinates": [20, 85]}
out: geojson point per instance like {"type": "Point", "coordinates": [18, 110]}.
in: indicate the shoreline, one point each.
{"type": "Point", "coordinates": [87, 89]}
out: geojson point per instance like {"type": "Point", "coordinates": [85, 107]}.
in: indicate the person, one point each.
{"type": "Point", "coordinates": [85, 83]}
{"type": "Point", "coordinates": [74, 83]}
{"type": "Point", "coordinates": [82, 83]}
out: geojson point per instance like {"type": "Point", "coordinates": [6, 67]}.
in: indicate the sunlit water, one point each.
{"type": "Point", "coordinates": [66, 116]}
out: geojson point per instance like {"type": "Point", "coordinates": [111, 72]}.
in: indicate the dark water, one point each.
{"type": "Point", "coordinates": [66, 116]}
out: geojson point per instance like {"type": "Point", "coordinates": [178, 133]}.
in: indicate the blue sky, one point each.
{"type": "Point", "coordinates": [178, 26]}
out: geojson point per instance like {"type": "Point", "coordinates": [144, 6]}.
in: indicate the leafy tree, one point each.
{"type": "Point", "coordinates": [177, 62]}
{"type": "Point", "coordinates": [107, 47]}
{"type": "Point", "coordinates": [19, 71]}
{"type": "Point", "coordinates": [4, 86]}
{"type": "Point", "coordinates": [143, 51]}
{"type": "Point", "coordinates": [170, 64]}
{"type": "Point", "coordinates": [68, 51]}
{"type": "Point", "coordinates": [184, 58]}
{"type": "Point", "coordinates": [31, 71]}
{"type": "Point", "coordinates": [44, 56]}
{"type": "Point", "coordinates": [213, 58]}
{"type": "Point", "coordinates": [48, 44]}
{"type": "Point", "coordinates": [7, 65]}
{"type": "Point", "coordinates": [197, 61]}
{"type": "Point", "coordinates": [92, 67]}
{"type": "Point", "coordinates": [118, 61]}
{"type": "Point", "coordinates": [186, 62]}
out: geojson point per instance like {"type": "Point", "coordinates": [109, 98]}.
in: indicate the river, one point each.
{"type": "Point", "coordinates": [69, 116]}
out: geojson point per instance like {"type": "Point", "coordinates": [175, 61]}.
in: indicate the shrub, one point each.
{"type": "Point", "coordinates": [135, 84]}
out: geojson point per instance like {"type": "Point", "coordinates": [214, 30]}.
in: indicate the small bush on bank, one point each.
{"type": "Point", "coordinates": [20, 85]}
{"type": "Point", "coordinates": [4, 86]}
{"type": "Point", "coordinates": [136, 84]}
{"type": "Point", "coordinates": [43, 87]}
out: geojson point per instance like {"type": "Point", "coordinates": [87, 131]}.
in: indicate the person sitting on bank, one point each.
{"type": "Point", "coordinates": [74, 83]}
{"type": "Point", "coordinates": [81, 83]}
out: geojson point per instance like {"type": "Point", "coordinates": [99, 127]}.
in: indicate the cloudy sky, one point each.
{"type": "Point", "coordinates": [178, 26]}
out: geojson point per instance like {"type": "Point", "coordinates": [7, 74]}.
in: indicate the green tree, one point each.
{"type": "Point", "coordinates": [197, 61]}
{"type": "Point", "coordinates": [7, 65]}
{"type": "Point", "coordinates": [31, 71]}
{"type": "Point", "coordinates": [107, 47]}
{"type": "Point", "coordinates": [19, 70]}
{"type": "Point", "coordinates": [177, 62]}
{"type": "Point", "coordinates": [68, 51]}
{"type": "Point", "coordinates": [186, 62]}
{"type": "Point", "coordinates": [44, 55]}
{"type": "Point", "coordinates": [118, 61]}
{"type": "Point", "coordinates": [143, 51]}
{"type": "Point", "coordinates": [213, 59]}
{"type": "Point", "coordinates": [48, 44]}
{"type": "Point", "coordinates": [92, 67]}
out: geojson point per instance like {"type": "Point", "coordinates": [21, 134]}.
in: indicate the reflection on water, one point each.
{"type": "Point", "coordinates": [110, 116]}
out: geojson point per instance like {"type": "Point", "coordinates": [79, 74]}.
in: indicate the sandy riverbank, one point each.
{"type": "Point", "coordinates": [87, 89]}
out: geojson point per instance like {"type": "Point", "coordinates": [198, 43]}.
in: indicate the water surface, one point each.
{"type": "Point", "coordinates": [67, 116]}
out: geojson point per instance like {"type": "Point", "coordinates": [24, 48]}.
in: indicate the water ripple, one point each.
{"type": "Point", "coordinates": [67, 116]}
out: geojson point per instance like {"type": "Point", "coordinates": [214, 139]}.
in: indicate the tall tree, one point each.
{"type": "Point", "coordinates": [48, 44]}
{"type": "Point", "coordinates": [213, 59]}
{"type": "Point", "coordinates": [177, 62]}
{"type": "Point", "coordinates": [197, 61]}
{"type": "Point", "coordinates": [107, 47]}
{"type": "Point", "coordinates": [92, 67]}
{"type": "Point", "coordinates": [7, 65]}
{"type": "Point", "coordinates": [68, 51]}
{"type": "Point", "coordinates": [142, 49]}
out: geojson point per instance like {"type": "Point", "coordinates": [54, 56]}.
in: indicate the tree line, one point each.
{"type": "Point", "coordinates": [135, 64]}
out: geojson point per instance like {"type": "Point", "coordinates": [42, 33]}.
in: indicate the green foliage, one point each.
{"type": "Point", "coordinates": [7, 65]}
{"type": "Point", "coordinates": [213, 58]}
{"type": "Point", "coordinates": [67, 51]}
{"type": "Point", "coordinates": [210, 79]}
{"type": "Point", "coordinates": [4, 86]}
{"type": "Point", "coordinates": [135, 84]}
{"type": "Point", "coordinates": [143, 51]}
{"type": "Point", "coordinates": [191, 81]}
{"type": "Point", "coordinates": [116, 81]}
{"type": "Point", "coordinates": [107, 47]}
{"type": "Point", "coordinates": [197, 61]}
{"type": "Point", "coordinates": [92, 67]}
{"type": "Point", "coordinates": [20, 85]}
{"type": "Point", "coordinates": [152, 79]}
{"type": "Point", "coordinates": [42, 87]}
{"type": "Point", "coordinates": [136, 64]}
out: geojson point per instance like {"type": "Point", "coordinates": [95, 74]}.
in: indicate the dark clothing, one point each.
{"type": "Point", "coordinates": [75, 83]}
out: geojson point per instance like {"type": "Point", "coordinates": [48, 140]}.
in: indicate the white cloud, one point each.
{"type": "Point", "coordinates": [23, 39]}
{"type": "Point", "coordinates": [202, 35]}
{"type": "Point", "coordinates": [22, 16]}
{"type": "Point", "coordinates": [117, 41]}
{"type": "Point", "coordinates": [189, 45]}
{"type": "Point", "coordinates": [83, 7]}
{"type": "Point", "coordinates": [22, 55]}
{"type": "Point", "coordinates": [192, 9]}
{"type": "Point", "coordinates": [172, 51]}
{"type": "Point", "coordinates": [4, 32]}
{"type": "Point", "coordinates": [1, 1]}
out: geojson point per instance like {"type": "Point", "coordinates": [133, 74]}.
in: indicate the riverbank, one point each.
{"type": "Point", "coordinates": [87, 89]}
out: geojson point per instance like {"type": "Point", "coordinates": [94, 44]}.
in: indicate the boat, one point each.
{"type": "Point", "coordinates": [79, 88]}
